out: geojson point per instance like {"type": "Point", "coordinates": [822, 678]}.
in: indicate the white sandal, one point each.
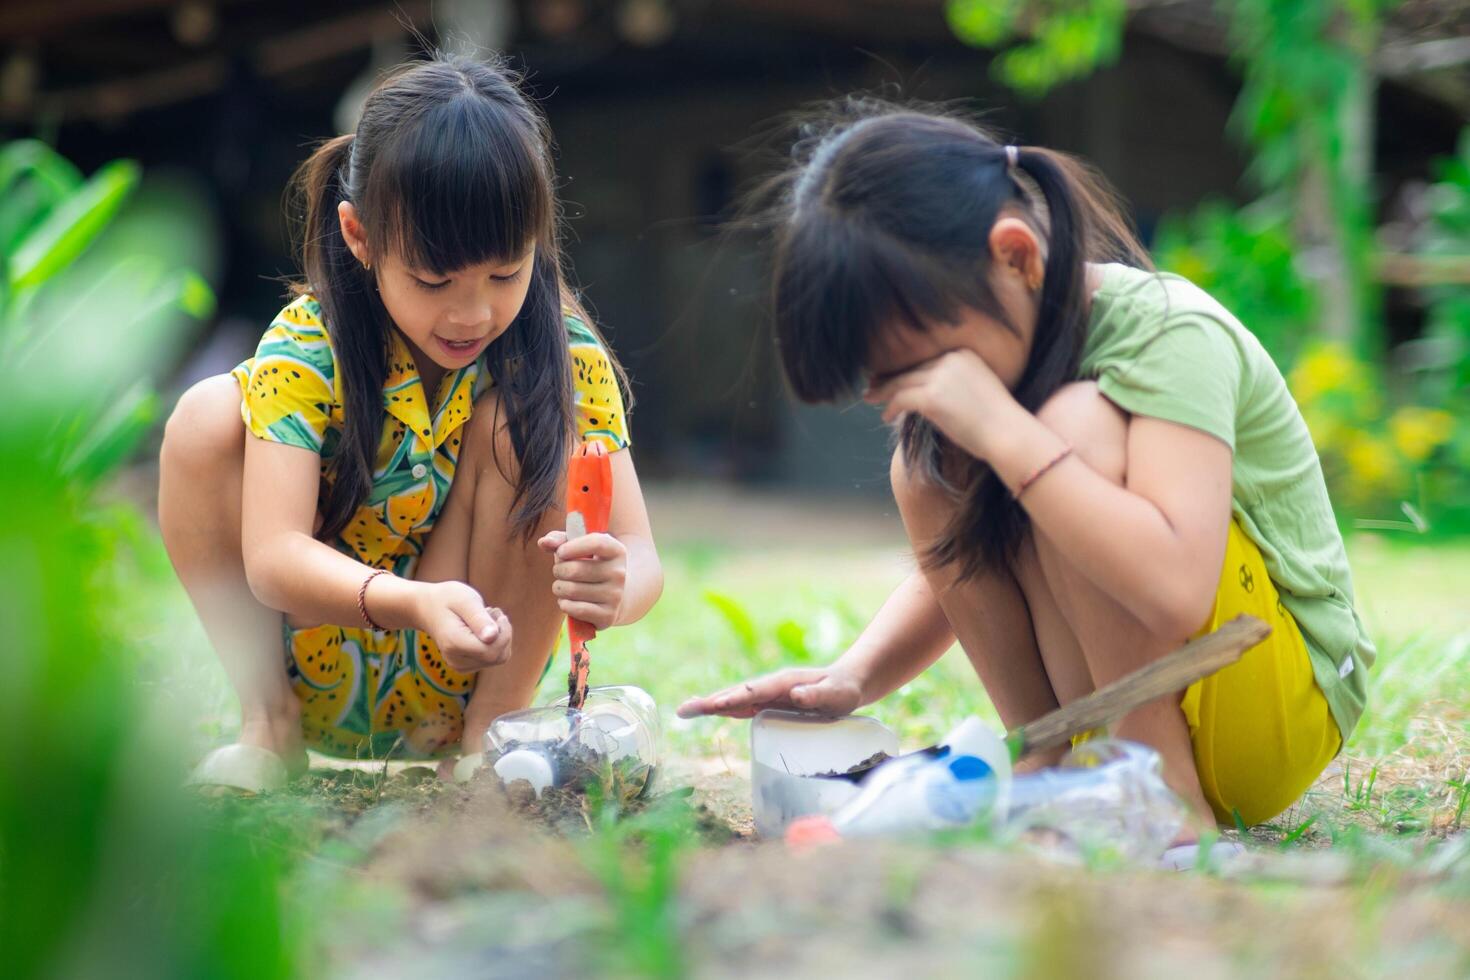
{"type": "Point", "coordinates": [1187, 857]}
{"type": "Point", "coordinates": [242, 768]}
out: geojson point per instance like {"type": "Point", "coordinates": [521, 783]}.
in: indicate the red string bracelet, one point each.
{"type": "Point", "coordinates": [1041, 470]}
{"type": "Point", "coordinates": [362, 598]}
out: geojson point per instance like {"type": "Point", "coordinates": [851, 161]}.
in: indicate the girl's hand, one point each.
{"type": "Point", "coordinates": [590, 573]}
{"type": "Point", "coordinates": [471, 635]}
{"type": "Point", "coordinates": [828, 690]}
{"type": "Point", "coordinates": [957, 391]}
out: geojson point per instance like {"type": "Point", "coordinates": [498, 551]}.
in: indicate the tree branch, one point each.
{"type": "Point", "coordinates": [1399, 269]}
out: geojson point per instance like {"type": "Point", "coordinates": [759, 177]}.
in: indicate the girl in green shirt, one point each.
{"type": "Point", "coordinates": [1095, 461]}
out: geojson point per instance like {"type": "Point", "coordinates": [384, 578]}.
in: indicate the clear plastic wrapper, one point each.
{"type": "Point", "coordinates": [1107, 796]}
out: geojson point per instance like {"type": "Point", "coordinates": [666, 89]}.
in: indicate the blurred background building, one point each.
{"type": "Point", "coordinates": [659, 107]}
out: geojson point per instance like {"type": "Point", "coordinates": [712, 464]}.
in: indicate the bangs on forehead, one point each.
{"type": "Point", "coordinates": [462, 186]}
{"type": "Point", "coordinates": [834, 301]}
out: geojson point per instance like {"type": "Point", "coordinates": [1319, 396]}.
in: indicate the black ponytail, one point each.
{"type": "Point", "coordinates": [347, 295]}
{"type": "Point", "coordinates": [885, 219]}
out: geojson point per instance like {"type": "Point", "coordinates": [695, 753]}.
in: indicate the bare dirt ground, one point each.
{"type": "Point", "coordinates": [1369, 875]}
{"type": "Point", "coordinates": [460, 884]}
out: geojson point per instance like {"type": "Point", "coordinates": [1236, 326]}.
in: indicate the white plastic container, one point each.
{"type": "Point", "coordinates": [788, 748]}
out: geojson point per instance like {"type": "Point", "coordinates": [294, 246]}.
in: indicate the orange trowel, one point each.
{"type": "Point", "coordinates": [557, 744]}
{"type": "Point", "coordinates": [589, 504]}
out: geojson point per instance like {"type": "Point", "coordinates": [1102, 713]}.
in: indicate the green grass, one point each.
{"type": "Point", "coordinates": [1414, 603]}
{"type": "Point", "coordinates": [729, 612]}
{"type": "Point", "coordinates": [727, 616]}
{"type": "Point", "coordinates": [658, 895]}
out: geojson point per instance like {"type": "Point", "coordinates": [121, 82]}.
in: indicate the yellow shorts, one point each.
{"type": "Point", "coordinates": [1261, 728]}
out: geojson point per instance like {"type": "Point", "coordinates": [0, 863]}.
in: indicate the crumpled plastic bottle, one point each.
{"type": "Point", "coordinates": [617, 725]}
{"type": "Point", "coordinates": [1106, 796]}
{"type": "Point", "coordinates": [964, 779]}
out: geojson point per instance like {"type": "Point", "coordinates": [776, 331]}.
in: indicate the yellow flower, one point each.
{"type": "Point", "coordinates": [1187, 262]}
{"type": "Point", "coordinates": [1324, 368]}
{"type": "Point", "coordinates": [1418, 432]}
{"type": "Point", "coordinates": [1371, 463]}
{"type": "Point", "coordinates": [1327, 429]}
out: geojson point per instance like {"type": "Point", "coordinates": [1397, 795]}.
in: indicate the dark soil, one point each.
{"type": "Point", "coordinates": [861, 769]}
{"type": "Point", "coordinates": [586, 784]}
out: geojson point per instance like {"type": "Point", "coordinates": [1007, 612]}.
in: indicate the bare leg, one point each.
{"type": "Point", "coordinates": [990, 617]}
{"type": "Point", "coordinates": [473, 541]}
{"type": "Point", "coordinates": [1111, 640]}
{"type": "Point", "coordinates": [201, 471]}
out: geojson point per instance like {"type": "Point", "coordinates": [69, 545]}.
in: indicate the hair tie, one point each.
{"type": "Point", "coordinates": [1013, 156]}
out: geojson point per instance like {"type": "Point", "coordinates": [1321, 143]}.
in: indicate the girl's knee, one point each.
{"type": "Point", "coordinates": [487, 446]}
{"type": "Point", "coordinates": [1095, 428]}
{"type": "Point", "coordinates": [205, 423]}
{"type": "Point", "coordinates": [914, 491]}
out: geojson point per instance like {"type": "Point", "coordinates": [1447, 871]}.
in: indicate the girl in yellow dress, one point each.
{"type": "Point", "coordinates": [432, 374]}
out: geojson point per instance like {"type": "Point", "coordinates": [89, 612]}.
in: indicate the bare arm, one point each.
{"type": "Point", "coordinates": [907, 635]}
{"type": "Point", "coordinates": [1156, 544]}
{"type": "Point", "coordinates": [290, 570]}
{"type": "Point", "coordinates": [629, 524]}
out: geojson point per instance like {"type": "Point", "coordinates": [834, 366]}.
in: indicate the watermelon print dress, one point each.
{"type": "Point", "coordinates": [367, 692]}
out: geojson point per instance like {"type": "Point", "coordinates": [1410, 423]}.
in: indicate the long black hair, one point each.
{"type": "Point", "coordinates": [451, 166]}
{"type": "Point", "coordinates": [884, 218]}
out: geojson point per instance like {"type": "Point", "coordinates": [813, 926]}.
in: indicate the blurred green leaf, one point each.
{"type": "Point", "coordinates": [737, 619]}
{"type": "Point", "coordinates": [21, 158]}
{"type": "Point", "coordinates": [640, 862]}
{"type": "Point", "coordinates": [136, 298]}
{"type": "Point", "coordinates": [106, 867]}
{"type": "Point", "coordinates": [195, 296]}
{"type": "Point", "coordinates": [73, 225]}
{"type": "Point", "coordinates": [791, 638]}
{"type": "Point", "coordinates": [1245, 258]}
{"type": "Point", "coordinates": [981, 23]}
{"type": "Point", "coordinates": [113, 436]}
{"type": "Point", "coordinates": [1054, 42]}
{"type": "Point", "coordinates": [33, 179]}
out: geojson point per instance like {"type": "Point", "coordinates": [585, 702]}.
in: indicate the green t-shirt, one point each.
{"type": "Point", "coordinates": [1160, 346]}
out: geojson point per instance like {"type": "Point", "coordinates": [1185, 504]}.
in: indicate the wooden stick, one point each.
{"type": "Point", "coordinates": [1174, 672]}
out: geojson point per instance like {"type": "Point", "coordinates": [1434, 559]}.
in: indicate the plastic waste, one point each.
{"type": "Point", "coordinates": [967, 777]}
{"type": "Point", "coordinates": [792, 752]}
{"type": "Point", "coordinates": [553, 745]}
{"type": "Point", "coordinates": [1106, 795]}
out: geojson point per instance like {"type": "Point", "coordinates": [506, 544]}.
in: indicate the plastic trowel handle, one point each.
{"type": "Point", "coordinates": [589, 505]}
